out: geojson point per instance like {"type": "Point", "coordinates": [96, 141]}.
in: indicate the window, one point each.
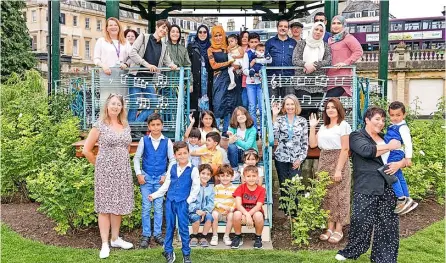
{"type": "Point", "coordinates": [87, 49]}
{"type": "Point", "coordinates": [364, 28]}
{"type": "Point", "coordinates": [74, 20]}
{"type": "Point", "coordinates": [62, 18]}
{"type": "Point", "coordinates": [371, 13]}
{"type": "Point", "coordinates": [192, 25]}
{"type": "Point", "coordinates": [34, 43]}
{"type": "Point", "coordinates": [396, 26]}
{"type": "Point", "coordinates": [138, 30]}
{"type": "Point", "coordinates": [351, 29]}
{"type": "Point", "coordinates": [437, 24]}
{"type": "Point", "coordinates": [184, 23]}
{"type": "Point", "coordinates": [84, 4]}
{"type": "Point", "coordinates": [365, 13]}
{"type": "Point", "coordinates": [426, 24]}
{"type": "Point", "coordinates": [62, 45]}
{"type": "Point", "coordinates": [75, 47]}
{"type": "Point", "coordinates": [375, 28]}
{"type": "Point", "coordinates": [24, 16]}
{"type": "Point", "coordinates": [87, 23]}
{"type": "Point", "coordinates": [135, 16]}
{"type": "Point", "coordinates": [95, 6]}
{"type": "Point", "coordinates": [412, 25]}
{"type": "Point", "coordinates": [98, 25]}
{"type": "Point", "coordinates": [34, 16]}
{"type": "Point", "coordinates": [357, 14]}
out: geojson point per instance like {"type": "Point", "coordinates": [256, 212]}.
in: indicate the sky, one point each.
{"type": "Point", "coordinates": [398, 8]}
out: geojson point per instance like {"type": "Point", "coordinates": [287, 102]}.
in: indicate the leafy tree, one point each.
{"type": "Point", "coordinates": [16, 55]}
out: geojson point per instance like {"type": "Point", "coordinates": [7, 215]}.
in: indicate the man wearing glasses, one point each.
{"type": "Point", "coordinates": [320, 17]}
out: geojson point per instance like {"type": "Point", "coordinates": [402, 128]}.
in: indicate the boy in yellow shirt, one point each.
{"type": "Point", "coordinates": [210, 154]}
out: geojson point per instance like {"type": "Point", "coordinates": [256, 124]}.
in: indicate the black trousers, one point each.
{"type": "Point", "coordinates": [335, 92]}
{"type": "Point", "coordinates": [285, 171]}
{"type": "Point", "coordinates": [372, 215]}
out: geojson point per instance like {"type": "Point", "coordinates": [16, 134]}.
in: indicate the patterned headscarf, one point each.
{"type": "Point", "coordinates": [223, 44]}
{"type": "Point", "coordinates": [341, 35]}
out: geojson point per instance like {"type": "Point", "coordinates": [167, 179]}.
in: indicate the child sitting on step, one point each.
{"type": "Point", "coordinates": [249, 199]}
{"type": "Point", "coordinates": [224, 204]}
{"type": "Point", "coordinates": [251, 157]}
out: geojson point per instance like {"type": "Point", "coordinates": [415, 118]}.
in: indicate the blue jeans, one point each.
{"type": "Point", "coordinates": [193, 217]}
{"type": "Point", "coordinates": [146, 98]}
{"type": "Point", "coordinates": [399, 187]}
{"type": "Point", "coordinates": [245, 102]}
{"type": "Point", "coordinates": [235, 155]}
{"type": "Point", "coordinates": [255, 100]}
{"type": "Point", "coordinates": [225, 123]}
{"type": "Point", "coordinates": [150, 187]}
{"type": "Point", "coordinates": [177, 210]}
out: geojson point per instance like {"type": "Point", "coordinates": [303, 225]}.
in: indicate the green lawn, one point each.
{"type": "Point", "coordinates": [426, 246]}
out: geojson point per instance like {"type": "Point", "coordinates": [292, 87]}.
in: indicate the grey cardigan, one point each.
{"type": "Point", "coordinates": [136, 57]}
{"type": "Point", "coordinates": [298, 61]}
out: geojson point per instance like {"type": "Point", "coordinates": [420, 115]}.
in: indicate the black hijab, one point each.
{"type": "Point", "coordinates": [203, 45]}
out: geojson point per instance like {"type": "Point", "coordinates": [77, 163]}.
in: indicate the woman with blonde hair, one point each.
{"type": "Point", "coordinates": [110, 54]}
{"type": "Point", "coordinates": [113, 184]}
{"type": "Point", "coordinates": [291, 132]}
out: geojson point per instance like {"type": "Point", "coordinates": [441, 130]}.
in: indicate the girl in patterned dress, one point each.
{"type": "Point", "coordinates": [113, 184]}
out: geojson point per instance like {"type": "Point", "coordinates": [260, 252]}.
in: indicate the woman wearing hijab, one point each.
{"type": "Point", "coordinates": [311, 55]}
{"type": "Point", "coordinates": [224, 100]}
{"type": "Point", "coordinates": [201, 71]}
{"type": "Point", "coordinates": [345, 51]}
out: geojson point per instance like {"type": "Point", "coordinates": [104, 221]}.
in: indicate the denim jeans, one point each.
{"type": "Point", "coordinates": [245, 102]}
{"type": "Point", "coordinates": [235, 155]}
{"type": "Point", "coordinates": [255, 100]}
{"type": "Point", "coordinates": [225, 123]}
{"type": "Point", "coordinates": [141, 97]}
{"type": "Point", "coordinates": [151, 186]}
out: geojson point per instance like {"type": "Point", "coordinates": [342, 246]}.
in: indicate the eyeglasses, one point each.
{"type": "Point", "coordinates": [202, 32]}
{"type": "Point", "coordinates": [247, 152]}
{"type": "Point", "coordinates": [319, 20]}
{"type": "Point", "coordinates": [114, 95]}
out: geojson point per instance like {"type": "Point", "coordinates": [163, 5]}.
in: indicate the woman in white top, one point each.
{"type": "Point", "coordinates": [333, 140]}
{"type": "Point", "coordinates": [110, 53]}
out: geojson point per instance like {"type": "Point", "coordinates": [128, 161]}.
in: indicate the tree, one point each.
{"type": "Point", "coordinates": [16, 55]}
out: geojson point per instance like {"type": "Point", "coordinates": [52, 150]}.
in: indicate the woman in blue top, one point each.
{"type": "Point", "coordinates": [242, 136]}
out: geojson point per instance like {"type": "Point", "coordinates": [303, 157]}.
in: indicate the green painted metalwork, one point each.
{"type": "Point", "coordinates": [330, 10]}
{"type": "Point", "coordinates": [112, 9]}
{"type": "Point", "coordinates": [55, 42]}
{"type": "Point", "coordinates": [383, 43]}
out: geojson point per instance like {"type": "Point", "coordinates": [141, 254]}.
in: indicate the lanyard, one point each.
{"type": "Point", "coordinates": [290, 127]}
{"type": "Point", "coordinates": [118, 50]}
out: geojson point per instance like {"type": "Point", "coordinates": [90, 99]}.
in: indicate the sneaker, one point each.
{"type": "Point", "coordinates": [159, 240]}
{"type": "Point", "coordinates": [412, 207]}
{"type": "Point", "coordinates": [232, 85]}
{"type": "Point", "coordinates": [186, 259]}
{"type": "Point", "coordinates": [340, 257]}
{"type": "Point", "coordinates": [170, 257]}
{"type": "Point", "coordinates": [105, 251]}
{"type": "Point", "coordinates": [145, 241]}
{"type": "Point", "coordinates": [258, 242]}
{"type": "Point", "coordinates": [402, 205]}
{"type": "Point", "coordinates": [214, 240]}
{"type": "Point", "coordinates": [193, 241]}
{"type": "Point", "coordinates": [121, 243]}
{"type": "Point", "coordinates": [237, 241]}
{"type": "Point", "coordinates": [204, 242]}
{"type": "Point", "coordinates": [227, 240]}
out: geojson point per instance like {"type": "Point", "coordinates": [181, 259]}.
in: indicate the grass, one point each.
{"type": "Point", "coordinates": [425, 246]}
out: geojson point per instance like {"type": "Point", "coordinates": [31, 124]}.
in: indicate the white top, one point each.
{"type": "Point", "coordinates": [106, 53]}
{"type": "Point", "coordinates": [330, 138]}
{"type": "Point", "coordinates": [204, 133]}
{"type": "Point", "coordinates": [195, 183]}
{"type": "Point", "coordinates": [245, 67]}
{"type": "Point", "coordinates": [384, 156]}
{"type": "Point", "coordinates": [241, 134]}
{"type": "Point", "coordinates": [155, 143]}
{"type": "Point", "coordinates": [407, 140]}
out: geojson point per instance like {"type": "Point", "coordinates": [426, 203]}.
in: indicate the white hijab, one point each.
{"type": "Point", "coordinates": [314, 49]}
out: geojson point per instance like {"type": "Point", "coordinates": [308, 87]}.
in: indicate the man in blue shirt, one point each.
{"type": "Point", "coordinates": [320, 17]}
{"type": "Point", "coordinates": [281, 48]}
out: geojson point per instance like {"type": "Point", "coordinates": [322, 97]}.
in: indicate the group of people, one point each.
{"type": "Point", "coordinates": [199, 177]}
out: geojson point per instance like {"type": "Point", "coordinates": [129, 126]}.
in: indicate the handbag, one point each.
{"type": "Point", "coordinates": [390, 179]}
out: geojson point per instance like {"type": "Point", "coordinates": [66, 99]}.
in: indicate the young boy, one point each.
{"type": "Point", "coordinates": [224, 203]}
{"type": "Point", "coordinates": [194, 138]}
{"type": "Point", "coordinates": [260, 60]}
{"type": "Point", "coordinates": [249, 199]}
{"type": "Point", "coordinates": [200, 211]}
{"type": "Point", "coordinates": [400, 131]}
{"type": "Point", "coordinates": [210, 154]}
{"type": "Point", "coordinates": [182, 185]}
{"type": "Point", "coordinates": [156, 152]}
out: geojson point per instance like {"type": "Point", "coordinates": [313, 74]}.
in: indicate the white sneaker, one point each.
{"type": "Point", "coordinates": [105, 251]}
{"type": "Point", "coordinates": [214, 241]}
{"type": "Point", "coordinates": [232, 85]}
{"type": "Point", "coordinates": [227, 240]}
{"type": "Point", "coordinates": [121, 243]}
{"type": "Point", "coordinates": [340, 257]}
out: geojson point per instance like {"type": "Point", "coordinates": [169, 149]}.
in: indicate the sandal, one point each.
{"type": "Point", "coordinates": [336, 237]}
{"type": "Point", "coordinates": [325, 236]}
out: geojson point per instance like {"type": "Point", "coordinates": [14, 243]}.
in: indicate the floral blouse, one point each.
{"type": "Point", "coordinates": [292, 139]}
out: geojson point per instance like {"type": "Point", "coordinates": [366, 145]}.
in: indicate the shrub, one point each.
{"type": "Point", "coordinates": [310, 215]}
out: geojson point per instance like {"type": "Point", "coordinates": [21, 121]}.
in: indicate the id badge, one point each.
{"type": "Point", "coordinates": [289, 144]}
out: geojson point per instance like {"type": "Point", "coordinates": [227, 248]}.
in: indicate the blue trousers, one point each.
{"type": "Point", "coordinates": [235, 155]}
{"type": "Point", "coordinates": [146, 98]}
{"type": "Point", "coordinates": [226, 120]}
{"type": "Point", "coordinates": [400, 186]}
{"type": "Point", "coordinates": [245, 102]}
{"type": "Point", "coordinates": [177, 210]}
{"type": "Point", "coordinates": [254, 101]}
{"type": "Point", "coordinates": [150, 187]}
